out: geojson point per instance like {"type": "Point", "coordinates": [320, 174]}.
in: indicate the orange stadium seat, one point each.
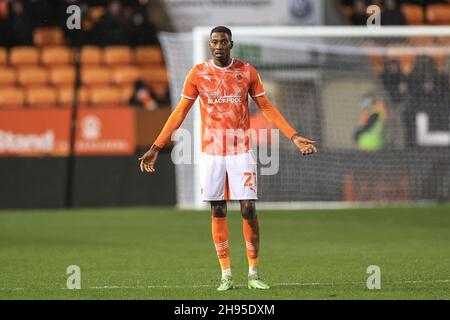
{"type": "Point", "coordinates": [413, 14]}
{"type": "Point", "coordinates": [4, 9]}
{"type": "Point", "coordinates": [56, 55]}
{"type": "Point", "coordinates": [117, 55]}
{"type": "Point", "coordinates": [125, 92]}
{"type": "Point", "coordinates": [125, 75]}
{"type": "Point", "coordinates": [29, 76]}
{"type": "Point", "coordinates": [438, 14]}
{"type": "Point", "coordinates": [104, 95]}
{"type": "Point", "coordinates": [83, 96]}
{"type": "Point", "coordinates": [375, 59]}
{"type": "Point", "coordinates": [41, 96]}
{"type": "Point", "coordinates": [444, 41]}
{"type": "Point", "coordinates": [48, 36]}
{"type": "Point", "coordinates": [160, 89]}
{"type": "Point", "coordinates": [347, 10]}
{"type": "Point", "coordinates": [154, 74]}
{"type": "Point", "coordinates": [3, 56]}
{"type": "Point", "coordinates": [11, 97]}
{"type": "Point", "coordinates": [62, 76]}
{"type": "Point", "coordinates": [7, 76]}
{"type": "Point", "coordinates": [95, 75]}
{"type": "Point", "coordinates": [23, 55]}
{"type": "Point", "coordinates": [91, 55]}
{"type": "Point", "coordinates": [422, 41]}
{"type": "Point", "coordinates": [65, 96]}
{"type": "Point", "coordinates": [407, 60]}
{"type": "Point", "coordinates": [440, 59]}
{"type": "Point", "coordinates": [95, 13]}
{"type": "Point", "coordinates": [148, 55]}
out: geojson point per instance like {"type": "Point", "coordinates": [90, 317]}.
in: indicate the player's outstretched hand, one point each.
{"type": "Point", "coordinates": [149, 158]}
{"type": "Point", "coordinates": [305, 145]}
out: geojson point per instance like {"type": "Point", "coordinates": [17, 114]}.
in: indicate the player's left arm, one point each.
{"type": "Point", "coordinates": [271, 112]}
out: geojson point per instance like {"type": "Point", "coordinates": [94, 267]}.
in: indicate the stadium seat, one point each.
{"type": "Point", "coordinates": [154, 74]}
{"type": "Point", "coordinates": [4, 9]}
{"type": "Point", "coordinates": [413, 14]}
{"type": "Point", "coordinates": [117, 55]}
{"type": "Point", "coordinates": [438, 14]}
{"type": "Point", "coordinates": [7, 76]}
{"type": "Point", "coordinates": [444, 41]}
{"type": "Point", "coordinates": [30, 76]}
{"type": "Point", "coordinates": [423, 41]}
{"type": "Point", "coordinates": [376, 60]}
{"type": "Point", "coordinates": [83, 96]}
{"type": "Point", "coordinates": [125, 91]}
{"type": "Point", "coordinates": [125, 75]}
{"type": "Point", "coordinates": [62, 76]}
{"type": "Point", "coordinates": [160, 89]}
{"type": "Point", "coordinates": [347, 10]}
{"type": "Point", "coordinates": [148, 55]}
{"type": "Point", "coordinates": [440, 59]}
{"type": "Point", "coordinates": [44, 36]}
{"type": "Point", "coordinates": [104, 96]}
{"type": "Point", "coordinates": [56, 55]}
{"type": "Point", "coordinates": [95, 75]}
{"type": "Point", "coordinates": [37, 97]}
{"type": "Point", "coordinates": [3, 56]}
{"type": "Point", "coordinates": [406, 60]}
{"type": "Point", "coordinates": [11, 97]}
{"type": "Point", "coordinates": [65, 96]}
{"type": "Point", "coordinates": [23, 55]}
{"type": "Point", "coordinates": [91, 55]}
{"type": "Point", "coordinates": [95, 13]}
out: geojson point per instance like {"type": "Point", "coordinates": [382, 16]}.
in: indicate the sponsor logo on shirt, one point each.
{"type": "Point", "coordinates": [225, 99]}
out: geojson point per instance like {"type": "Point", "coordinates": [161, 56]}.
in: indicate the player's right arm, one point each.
{"type": "Point", "coordinates": [174, 121]}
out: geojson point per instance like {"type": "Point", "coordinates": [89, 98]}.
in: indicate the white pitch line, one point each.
{"type": "Point", "coordinates": [283, 284]}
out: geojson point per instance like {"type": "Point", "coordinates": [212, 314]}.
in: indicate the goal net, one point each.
{"type": "Point", "coordinates": [376, 102]}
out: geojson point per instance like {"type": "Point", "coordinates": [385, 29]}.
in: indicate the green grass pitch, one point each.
{"type": "Point", "coordinates": [164, 253]}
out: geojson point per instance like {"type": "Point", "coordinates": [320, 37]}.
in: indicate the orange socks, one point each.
{"type": "Point", "coordinates": [251, 236]}
{"type": "Point", "coordinates": [220, 238]}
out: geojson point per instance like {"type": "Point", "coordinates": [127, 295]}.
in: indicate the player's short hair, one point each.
{"type": "Point", "coordinates": [221, 29]}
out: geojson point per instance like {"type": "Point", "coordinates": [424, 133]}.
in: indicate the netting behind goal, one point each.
{"type": "Point", "coordinates": [379, 108]}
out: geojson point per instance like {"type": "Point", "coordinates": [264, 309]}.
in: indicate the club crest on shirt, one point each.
{"type": "Point", "coordinates": [239, 76]}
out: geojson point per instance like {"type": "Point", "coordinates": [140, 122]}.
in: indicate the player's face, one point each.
{"type": "Point", "coordinates": [220, 45]}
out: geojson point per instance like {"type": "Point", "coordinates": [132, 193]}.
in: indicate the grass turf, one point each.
{"type": "Point", "coordinates": [160, 253]}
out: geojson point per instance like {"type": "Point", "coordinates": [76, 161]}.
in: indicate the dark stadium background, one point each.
{"type": "Point", "coordinates": [45, 66]}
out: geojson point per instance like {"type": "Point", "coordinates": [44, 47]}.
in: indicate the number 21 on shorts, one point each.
{"type": "Point", "coordinates": [248, 182]}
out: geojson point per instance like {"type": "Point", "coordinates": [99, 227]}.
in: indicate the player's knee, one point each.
{"type": "Point", "coordinates": [248, 209]}
{"type": "Point", "coordinates": [219, 208]}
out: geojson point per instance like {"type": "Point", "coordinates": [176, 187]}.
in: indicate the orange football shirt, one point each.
{"type": "Point", "coordinates": [223, 94]}
{"type": "Point", "coordinates": [224, 111]}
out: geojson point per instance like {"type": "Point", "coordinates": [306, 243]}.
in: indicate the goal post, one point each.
{"type": "Point", "coordinates": [328, 82]}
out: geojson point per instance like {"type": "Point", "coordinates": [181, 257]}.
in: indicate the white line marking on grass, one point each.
{"type": "Point", "coordinates": [283, 284]}
{"type": "Point", "coordinates": [421, 281]}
